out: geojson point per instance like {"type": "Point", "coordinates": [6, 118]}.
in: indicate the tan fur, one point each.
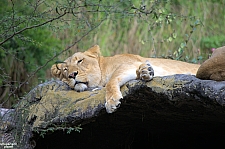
{"type": "Point", "coordinates": [90, 69]}
{"type": "Point", "coordinates": [214, 67]}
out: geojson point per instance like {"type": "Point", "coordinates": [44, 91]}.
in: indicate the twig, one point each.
{"type": "Point", "coordinates": [31, 27]}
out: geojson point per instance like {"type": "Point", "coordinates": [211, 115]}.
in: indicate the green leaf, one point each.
{"type": "Point", "coordinates": [180, 50]}
{"type": "Point", "coordinates": [182, 45]}
{"type": "Point", "coordinates": [174, 35]}
{"type": "Point", "coordinates": [170, 39]}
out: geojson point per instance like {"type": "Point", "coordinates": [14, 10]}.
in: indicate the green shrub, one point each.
{"type": "Point", "coordinates": [212, 42]}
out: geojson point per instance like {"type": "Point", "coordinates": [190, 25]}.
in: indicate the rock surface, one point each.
{"type": "Point", "coordinates": [171, 111]}
{"type": "Point", "coordinates": [54, 102]}
{"type": "Point", "coordinates": [214, 67]}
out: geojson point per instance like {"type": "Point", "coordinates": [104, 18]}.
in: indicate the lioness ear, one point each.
{"type": "Point", "coordinates": [93, 51]}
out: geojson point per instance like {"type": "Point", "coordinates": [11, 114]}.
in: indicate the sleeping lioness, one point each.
{"type": "Point", "coordinates": [89, 69]}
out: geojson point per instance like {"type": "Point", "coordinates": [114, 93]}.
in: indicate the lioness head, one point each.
{"type": "Point", "coordinates": [82, 67]}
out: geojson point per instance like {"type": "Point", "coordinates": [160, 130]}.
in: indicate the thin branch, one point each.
{"type": "Point", "coordinates": [31, 27]}
{"type": "Point", "coordinates": [13, 15]}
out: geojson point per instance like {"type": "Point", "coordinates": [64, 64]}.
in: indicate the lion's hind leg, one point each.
{"type": "Point", "coordinates": [145, 71]}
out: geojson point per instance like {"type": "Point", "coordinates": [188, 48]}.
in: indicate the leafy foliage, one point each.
{"type": "Point", "coordinates": [21, 54]}
{"type": "Point", "coordinates": [212, 42]}
{"type": "Point", "coordinates": [68, 129]}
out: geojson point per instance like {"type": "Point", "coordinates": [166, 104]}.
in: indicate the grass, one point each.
{"type": "Point", "coordinates": [142, 35]}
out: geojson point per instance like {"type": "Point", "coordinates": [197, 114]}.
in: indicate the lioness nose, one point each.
{"type": "Point", "coordinates": [73, 75]}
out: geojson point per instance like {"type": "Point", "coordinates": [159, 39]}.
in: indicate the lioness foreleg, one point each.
{"type": "Point", "coordinates": [113, 93]}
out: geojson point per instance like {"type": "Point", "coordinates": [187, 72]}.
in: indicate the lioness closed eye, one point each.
{"type": "Point", "coordinates": [90, 69]}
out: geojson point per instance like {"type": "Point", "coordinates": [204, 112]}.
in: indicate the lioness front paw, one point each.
{"type": "Point", "coordinates": [145, 71]}
{"type": "Point", "coordinates": [55, 71]}
{"type": "Point", "coordinates": [80, 87]}
{"type": "Point", "coordinates": [112, 102]}
{"type": "Point", "coordinates": [112, 105]}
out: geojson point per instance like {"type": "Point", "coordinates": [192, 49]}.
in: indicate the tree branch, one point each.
{"type": "Point", "coordinates": [31, 27]}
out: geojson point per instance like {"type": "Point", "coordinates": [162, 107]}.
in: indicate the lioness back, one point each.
{"type": "Point", "coordinates": [163, 67]}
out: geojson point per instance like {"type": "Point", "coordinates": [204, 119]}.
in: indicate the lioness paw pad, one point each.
{"type": "Point", "coordinates": [145, 72]}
